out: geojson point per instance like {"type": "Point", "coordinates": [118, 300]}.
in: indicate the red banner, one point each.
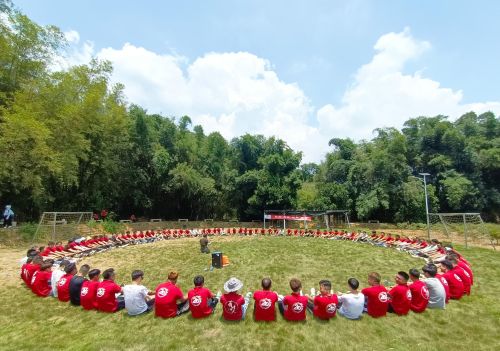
{"type": "Point", "coordinates": [288, 217]}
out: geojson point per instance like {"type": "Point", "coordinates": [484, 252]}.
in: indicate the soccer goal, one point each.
{"type": "Point", "coordinates": [468, 228]}
{"type": "Point", "coordinates": [58, 226]}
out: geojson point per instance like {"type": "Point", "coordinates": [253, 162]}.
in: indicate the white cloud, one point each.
{"type": "Point", "coordinates": [382, 96]}
{"type": "Point", "coordinates": [238, 92]}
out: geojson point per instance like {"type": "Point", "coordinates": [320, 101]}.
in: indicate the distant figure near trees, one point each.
{"type": "Point", "coordinates": [8, 216]}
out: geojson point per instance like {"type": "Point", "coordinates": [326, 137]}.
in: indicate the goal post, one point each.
{"type": "Point", "coordinates": [57, 226]}
{"type": "Point", "coordinates": [463, 227]}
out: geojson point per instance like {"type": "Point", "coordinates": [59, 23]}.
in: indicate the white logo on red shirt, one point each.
{"type": "Point", "coordinates": [425, 292]}
{"type": "Point", "coordinates": [230, 307]}
{"type": "Point", "coordinates": [457, 277]}
{"type": "Point", "coordinates": [265, 303]}
{"type": "Point", "coordinates": [331, 308]}
{"type": "Point", "coordinates": [100, 292]}
{"type": "Point", "coordinates": [196, 300]}
{"type": "Point", "coordinates": [162, 292]}
{"type": "Point", "coordinates": [382, 297]}
{"type": "Point", "coordinates": [33, 279]}
{"type": "Point", "coordinates": [467, 274]}
{"type": "Point", "coordinates": [408, 294]}
{"type": "Point", "coordinates": [297, 307]}
{"type": "Point", "coordinates": [84, 292]}
{"type": "Point", "coordinates": [444, 281]}
{"type": "Point", "coordinates": [62, 281]}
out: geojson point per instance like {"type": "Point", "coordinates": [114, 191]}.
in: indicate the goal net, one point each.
{"type": "Point", "coordinates": [466, 228]}
{"type": "Point", "coordinates": [59, 226]}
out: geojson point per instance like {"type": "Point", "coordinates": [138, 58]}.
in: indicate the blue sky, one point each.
{"type": "Point", "coordinates": [299, 60]}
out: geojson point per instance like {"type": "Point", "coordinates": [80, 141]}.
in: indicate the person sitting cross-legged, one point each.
{"type": "Point", "coordinates": [202, 302]}
{"type": "Point", "coordinates": [400, 295]}
{"type": "Point", "coordinates": [419, 292]}
{"type": "Point", "coordinates": [265, 302]}
{"type": "Point", "coordinates": [106, 293]}
{"type": "Point", "coordinates": [293, 307]}
{"type": "Point", "coordinates": [63, 282]}
{"type": "Point", "coordinates": [324, 305]}
{"type": "Point", "coordinates": [351, 304]}
{"type": "Point", "coordinates": [376, 299]}
{"type": "Point", "coordinates": [437, 292]}
{"type": "Point", "coordinates": [75, 285]}
{"type": "Point", "coordinates": [454, 281]}
{"type": "Point", "coordinates": [138, 298]}
{"type": "Point", "coordinates": [89, 290]}
{"type": "Point", "coordinates": [234, 305]}
{"type": "Point", "coordinates": [40, 282]}
{"type": "Point", "coordinates": [169, 300]}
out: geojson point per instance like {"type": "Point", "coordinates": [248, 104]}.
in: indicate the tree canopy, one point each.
{"type": "Point", "coordinates": [71, 142]}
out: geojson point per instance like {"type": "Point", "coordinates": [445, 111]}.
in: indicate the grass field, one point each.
{"type": "Point", "coordinates": [29, 323]}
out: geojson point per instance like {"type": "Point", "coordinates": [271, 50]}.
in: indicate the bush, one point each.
{"type": "Point", "coordinates": [27, 231]}
{"type": "Point", "coordinates": [112, 227]}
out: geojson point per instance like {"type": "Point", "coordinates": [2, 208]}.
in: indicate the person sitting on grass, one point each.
{"type": "Point", "coordinates": [293, 307]}
{"type": "Point", "coordinates": [138, 298]}
{"type": "Point", "coordinates": [40, 282]}
{"type": "Point", "coordinates": [419, 292]}
{"type": "Point", "coordinates": [75, 285]}
{"type": "Point", "coordinates": [89, 290]}
{"type": "Point", "coordinates": [400, 295]}
{"type": "Point", "coordinates": [234, 305]}
{"type": "Point", "coordinates": [106, 293]}
{"type": "Point", "coordinates": [454, 281]}
{"type": "Point", "coordinates": [31, 268]}
{"type": "Point", "coordinates": [202, 302]}
{"type": "Point", "coordinates": [169, 300]}
{"type": "Point", "coordinates": [376, 299]}
{"type": "Point", "coordinates": [63, 283]}
{"type": "Point", "coordinates": [437, 292]}
{"type": "Point", "coordinates": [324, 305]}
{"type": "Point", "coordinates": [265, 302]}
{"type": "Point", "coordinates": [464, 276]}
{"type": "Point", "coordinates": [57, 273]}
{"type": "Point", "coordinates": [351, 304]}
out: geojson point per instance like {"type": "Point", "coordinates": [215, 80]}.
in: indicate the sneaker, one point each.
{"type": "Point", "coordinates": [219, 294]}
{"type": "Point", "coordinates": [248, 295]}
{"type": "Point", "coordinates": [313, 292]}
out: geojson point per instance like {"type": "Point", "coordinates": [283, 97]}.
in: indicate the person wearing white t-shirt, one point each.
{"type": "Point", "coordinates": [352, 303]}
{"type": "Point", "coordinates": [138, 298]}
{"type": "Point", "coordinates": [57, 273]}
{"type": "Point", "coordinates": [437, 293]}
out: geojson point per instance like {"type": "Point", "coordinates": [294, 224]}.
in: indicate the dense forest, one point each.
{"type": "Point", "coordinates": [71, 142]}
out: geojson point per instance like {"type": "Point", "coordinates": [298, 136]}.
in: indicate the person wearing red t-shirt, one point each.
{"type": "Point", "coordinates": [234, 305]}
{"type": "Point", "coordinates": [31, 268]}
{"type": "Point", "coordinates": [376, 298]}
{"type": "Point", "coordinates": [454, 281]}
{"type": "Point", "coordinates": [293, 307]}
{"type": "Point", "coordinates": [446, 287]}
{"type": "Point", "coordinates": [464, 276]}
{"type": "Point", "coordinates": [63, 282]}
{"type": "Point", "coordinates": [169, 300]}
{"type": "Point", "coordinates": [106, 298]}
{"type": "Point", "coordinates": [419, 292]}
{"type": "Point", "coordinates": [323, 306]}
{"type": "Point", "coordinates": [201, 300]}
{"type": "Point", "coordinates": [400, 295]}
{"type": "Point", "coordinates": [265, 302]}
{"type": "Point", "coordinates": [89, 290]}
{"type": "Point", "coordinates": [40, 282]}
{"type": "Point", "coordinates": [466, 268]}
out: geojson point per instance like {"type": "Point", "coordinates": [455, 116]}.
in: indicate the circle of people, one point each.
{"type": "Point", "coordinates": [52, 271]}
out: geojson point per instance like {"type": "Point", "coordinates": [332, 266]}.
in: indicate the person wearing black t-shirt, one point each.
{"type": "Point", "coordinates": [75, 285]}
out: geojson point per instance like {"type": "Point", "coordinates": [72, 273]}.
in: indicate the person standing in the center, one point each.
{"type": "Point", "coordinates": [204, 244]}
